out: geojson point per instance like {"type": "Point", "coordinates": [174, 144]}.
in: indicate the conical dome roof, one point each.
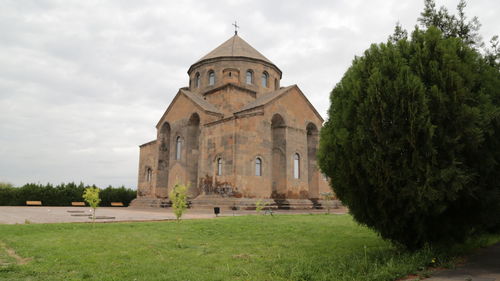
{"type": "Point", "coordinates": [235, 47]}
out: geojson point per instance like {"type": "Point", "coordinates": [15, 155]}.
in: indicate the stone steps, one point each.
{"type": "Point", "coordinates": [325, 204]}
{"type": "Point", "coordinates": [150, 203]}
{"type": "Point", "coordinates": [229, 203]}
{"type": "Point", "coordinates": [251, 203]}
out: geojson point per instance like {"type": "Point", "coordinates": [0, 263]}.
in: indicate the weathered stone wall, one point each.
{"type": "Point", "coordinates": [230, 99]}
{"type": "Point", "coordinates": [217, 142]}
{"type": "Point", "coordinates": [297, 114]}
{"type": "Point", "coordinates": [253, 140]}
{"type": "Point", "coordinates": [312, 167]}
{"type": "Point", "coordinates": [147, 159]}
{"type": "Point", "coordinates": [186, 169]}
{"type": "Point", "coordinates": [239, 141]}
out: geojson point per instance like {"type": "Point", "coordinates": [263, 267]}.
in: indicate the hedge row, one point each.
{"type": "Point", "coordinates": [60, 195]}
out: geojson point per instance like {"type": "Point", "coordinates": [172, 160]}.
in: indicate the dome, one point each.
{"type": "Point", "coordinates": [234, 47]}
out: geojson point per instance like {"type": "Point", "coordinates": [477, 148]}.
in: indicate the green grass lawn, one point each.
{"type": "Point", "coordinates": [283, 247]}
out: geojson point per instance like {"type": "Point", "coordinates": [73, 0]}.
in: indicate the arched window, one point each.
{"type": "Point", "coordinates": [211, 78]}
{"type": "Point", "coordinates": [197, 80]}
{"type": "Point", "coordinates": [265, 77]}
{"type": "Point", "coordinates": [219, 166]}
{"type": "Point", "coordinates": [258, 167]}
{"type": "Point", "coordinates": [276, 84]}
{"type": "Point", "coordinates": [149, 174]}
{"type": "Point", "coordinates": [178, 148]}
{"type": "Point", "coordinates": [249, 77]}
{"type": "Point", "coordinates": [296, 166]}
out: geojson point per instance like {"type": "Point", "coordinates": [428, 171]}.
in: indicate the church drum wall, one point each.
{"type": "Point", "coordinates": [240, 64]}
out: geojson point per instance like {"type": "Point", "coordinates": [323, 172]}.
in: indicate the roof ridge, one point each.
{"type": "Point", "coordinates": [232, 45]}
{"type": "Point", "coordinates": [200, 101]}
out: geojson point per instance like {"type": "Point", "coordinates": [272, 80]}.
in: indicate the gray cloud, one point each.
{"type": "Point", "coordinates": [83, 83]}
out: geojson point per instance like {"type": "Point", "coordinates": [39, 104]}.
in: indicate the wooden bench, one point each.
{"type": "Point", "coordinates": [117, 204]}
{"type": "Point", "coordinates": [78, 204]}
{"type": "Point", "coordinates": [33, 203]}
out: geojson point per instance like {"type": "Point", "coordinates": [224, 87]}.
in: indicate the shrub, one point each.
{"type": "Point", "coordinates": [7, 194]}
{"type": "Point", "coordinates": [259, 206]}
{"type": "Point", "coordinates": [120, 194]}
{"type": "Point", "coordinates": [60, 195]}
{"type": "Point", "coordinates": [411, 143]}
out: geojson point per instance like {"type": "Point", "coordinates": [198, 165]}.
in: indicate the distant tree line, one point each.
{"type": "Point", "coordinates": [60, 195]}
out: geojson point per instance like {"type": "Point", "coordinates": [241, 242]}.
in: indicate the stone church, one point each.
{"type": "Point", "coordinates": [235, 136]}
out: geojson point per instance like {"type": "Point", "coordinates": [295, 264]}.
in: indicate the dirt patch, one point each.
{"type": "Point", "coordinates": [410, 277]}
{"type": "Point", "coordinates": [11, 253]}
{"type": "Point", "coordinates": [3, 263]}
{"type": "Point", "coordinates": [243, 256]}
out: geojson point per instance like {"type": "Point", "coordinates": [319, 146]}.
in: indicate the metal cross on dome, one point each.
{"type": "Point", "coordinates": [236, 26]}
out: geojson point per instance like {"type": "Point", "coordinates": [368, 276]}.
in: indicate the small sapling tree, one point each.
{"type": "Point", "coordinates": [178, 196]}
{"type": "Point", "coordinates": [91, 196]}
{"type": "Point", "coordinates": [259, 206]}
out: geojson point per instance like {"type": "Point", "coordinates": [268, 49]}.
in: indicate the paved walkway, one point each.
{"type": "Point", "coordinates": [481, 266]}
{"type": "Point", "coordinates": [20, 215]}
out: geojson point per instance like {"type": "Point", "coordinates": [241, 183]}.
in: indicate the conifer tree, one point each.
{"type": "Point", "coordinates": [412, 140]}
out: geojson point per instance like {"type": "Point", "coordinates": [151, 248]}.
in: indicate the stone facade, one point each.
{"type": "Point", "coordinates": [235, 133]}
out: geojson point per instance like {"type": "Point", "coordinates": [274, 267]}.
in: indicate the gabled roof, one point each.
{"type": "Point", "coordinates": [230, 85]}
{"type": "Point", "coordinates": [235, 47]}
{"type": "Point", "coordinates": [266, 98]}
{"type": "Point", "coordinates": [205, 105]}
{"type": "Point", "coordinates": [269, 97]}
{"type": "Point", "coordinates": [196, 99]}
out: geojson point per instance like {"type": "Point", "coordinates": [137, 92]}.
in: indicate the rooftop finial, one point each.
{"type": "Point", "coordinates": [236, 26]}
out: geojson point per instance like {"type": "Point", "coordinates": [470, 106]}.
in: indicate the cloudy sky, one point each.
{"type": "Point", "coordinates": [83, 83]}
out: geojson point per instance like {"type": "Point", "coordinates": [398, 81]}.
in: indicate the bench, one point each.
{"type": "Point", "coordinates": [117, 204]}
{"type": "Point", "coordinates": [33, 203]}
{"type": "Point", "coordinates": [78, 204]}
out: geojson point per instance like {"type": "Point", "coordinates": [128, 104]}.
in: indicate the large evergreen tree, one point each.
{"type": "Point", "coordinates": [412, 139]}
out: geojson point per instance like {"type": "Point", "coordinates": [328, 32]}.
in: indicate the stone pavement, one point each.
{"type": "Point", "coordinates": [481, 266]}
{"type": "Point", "coordinates": [20, 215]}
